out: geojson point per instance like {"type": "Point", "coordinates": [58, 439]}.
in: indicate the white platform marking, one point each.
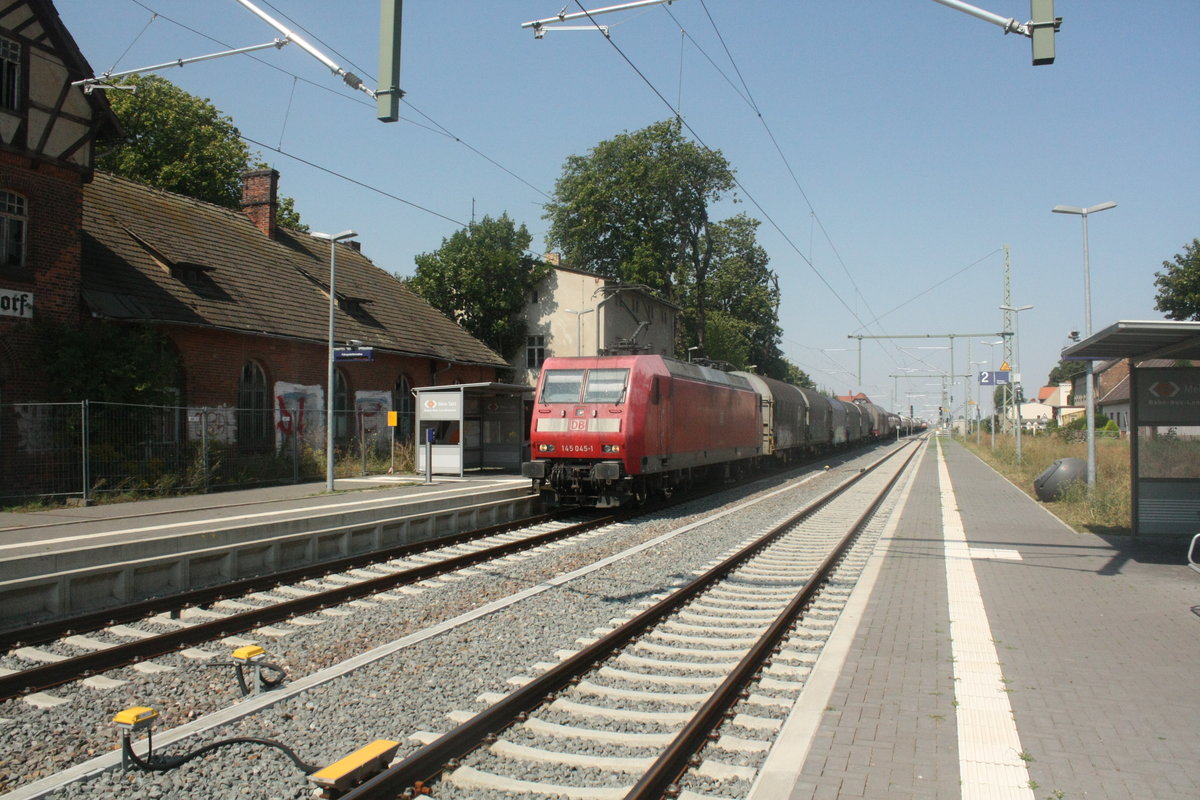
{"type": "Point", "coordinates": [989, 748]}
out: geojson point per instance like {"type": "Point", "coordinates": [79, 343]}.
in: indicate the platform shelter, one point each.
{"type": "Point", "coordinates": [1164, 420]}
{"type": "Point", "coordinates": [473, 426]}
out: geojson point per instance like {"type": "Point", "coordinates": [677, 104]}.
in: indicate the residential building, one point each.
{"type": "Point", "coordinates": [1059, 398]}
{"type": "Point", "coordinates": [1112, 389]}
{"type": "Point", "coordinates": [577, 313]}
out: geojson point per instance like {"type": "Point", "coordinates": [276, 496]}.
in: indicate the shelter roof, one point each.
{"type": "Point", "coordinates": [1139, 340]}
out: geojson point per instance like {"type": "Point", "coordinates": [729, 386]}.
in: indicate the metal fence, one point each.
{"type": "Point", "coordinates": [90, 449]}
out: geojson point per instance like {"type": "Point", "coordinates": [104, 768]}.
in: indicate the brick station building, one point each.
{"type": "Point", "coordinates": [246, 305]}
{"type": "Point", "coordinates": [242, 302]}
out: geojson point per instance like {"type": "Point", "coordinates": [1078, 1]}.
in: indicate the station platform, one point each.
{"type": "Point", "coordinates": [992, 652]}
{"type": "Point", "coordinates": [64, 527]}
{"type": "Point", "coordinates": [60, 563]}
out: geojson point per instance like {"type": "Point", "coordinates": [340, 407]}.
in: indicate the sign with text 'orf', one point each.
{"type": "Point", "coordinates": [16, 304]}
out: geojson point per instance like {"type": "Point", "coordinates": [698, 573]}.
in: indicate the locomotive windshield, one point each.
{"type": "Point", "coordinates": [606, 386]}
{"type": "Point", "coordinates": [562, 385]}
{"type": "Point", "coordinates": [588, 386]}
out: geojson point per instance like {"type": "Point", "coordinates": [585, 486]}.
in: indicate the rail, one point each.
{"type": "Point", "coordinates": [424, 765]}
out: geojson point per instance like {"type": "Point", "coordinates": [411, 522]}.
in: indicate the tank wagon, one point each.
{"type": "Point", "coordinates": [607, 429]}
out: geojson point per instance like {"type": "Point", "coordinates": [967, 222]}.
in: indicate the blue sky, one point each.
{"type": "Point", "coordinates": [921, 141]}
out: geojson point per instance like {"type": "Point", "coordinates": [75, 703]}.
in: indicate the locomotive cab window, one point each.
{"type": "Point", "coordinates": [606, 386]}
{"type": "Point", "coordinates": [562, 385]}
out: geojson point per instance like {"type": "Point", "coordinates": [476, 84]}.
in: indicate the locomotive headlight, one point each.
{"type": "Point", "coordinates": [611, 448]}
{"type": "Point", "coordinates": [545, 448]}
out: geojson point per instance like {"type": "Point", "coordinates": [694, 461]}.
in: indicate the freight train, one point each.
{"type": "Point", "coordinates": [609, 429]}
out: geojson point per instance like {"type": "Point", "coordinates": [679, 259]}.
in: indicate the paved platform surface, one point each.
{"type": "Point", "coordinates": [68, 527]}
{"type": "Point", "coordinates": [1002, 655]}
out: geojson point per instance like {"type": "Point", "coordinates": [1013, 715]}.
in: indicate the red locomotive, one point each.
{"type": "Point", "coordinates": [610, 428]}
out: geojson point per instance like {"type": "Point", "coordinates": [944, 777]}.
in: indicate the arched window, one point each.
{"type": "Point", "coordinates": [254, 413]}
{"type": "Point", "coordinates": [343, 409]}
{"type": "Point", "coordinates": [14, 216]}
{"type": "Point", "coordinates": [404, 404]}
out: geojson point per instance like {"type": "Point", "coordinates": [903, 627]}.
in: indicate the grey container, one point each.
{"type": "Point", "coordinates": [1055, 478]}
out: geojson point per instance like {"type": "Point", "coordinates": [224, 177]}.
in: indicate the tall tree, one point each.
{"type": "Point", "coordinates": [741, 286]}
{"type": "Point", "coordinates": [636, 208]}
{"type": "Point", "coordinates": [1179, 284]}
{"type": "Point", "coordinates": [1065, 371]}
{"type": "Point", "coordinates": [179, 142]}
{"type": "Point", "coordinates": [481, 278]}
{"type": "Point", "coordinates": [797, 376]}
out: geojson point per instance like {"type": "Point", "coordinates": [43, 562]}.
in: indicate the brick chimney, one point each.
{"type": "Point", "coordinates": [260, 199]}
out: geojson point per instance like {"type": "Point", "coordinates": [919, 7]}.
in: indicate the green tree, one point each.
{"type": "Point", "coordinates": [636, 208]}
{"type": "Point", "coordinates": [741, 287]}
{"type": "Point", "coordinates": [1064, 371]}
{"type": "Point", "coordinates": [125, 363]}
{"type": "Point", "coordinates": [288, 217]}
{"type": "Point", "coordinates": [797, 377]}
{"type": "Point", "coordinates": [1179, 284]}
{"type": "Point", "coordinates": [481, 278]}
{"type": "Point", "coordinates": [179, 142]}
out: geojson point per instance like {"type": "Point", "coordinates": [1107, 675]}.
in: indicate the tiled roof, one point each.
{"type": "Point", "coordinates": [157, 256]}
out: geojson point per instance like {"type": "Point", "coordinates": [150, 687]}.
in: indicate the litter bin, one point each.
{"type": "Point", "coordinates": [1055, 478]}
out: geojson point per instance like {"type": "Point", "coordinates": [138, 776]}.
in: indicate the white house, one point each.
{"type": "Point", "coordinates": [577, 313]}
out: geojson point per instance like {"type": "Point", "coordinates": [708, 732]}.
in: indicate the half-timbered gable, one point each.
{"type": "Point", "coordinates": [48, 133]}
{"type": "Point", "coordinates": [42, 115]}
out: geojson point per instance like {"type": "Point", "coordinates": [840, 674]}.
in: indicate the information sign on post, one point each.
{"type": "Point", "coordinates": [354, 354]}
{"type": "Point", "coordinates": [994, 378]}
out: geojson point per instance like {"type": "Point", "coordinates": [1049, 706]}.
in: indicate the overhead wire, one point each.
{"type": "Point", "coordinates": [749, 196]}
{"type": "Point", "coordinates": [437, 128]}
{"type": "Point", "coordinates": [745, 93]}
{"type": "Point", "coordinates": [749, 98]}
{"type": "Point", "coordinates": [354, 181]}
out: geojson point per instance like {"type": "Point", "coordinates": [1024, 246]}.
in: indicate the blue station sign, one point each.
{"type": "Point", "coordinates": [354, 354]}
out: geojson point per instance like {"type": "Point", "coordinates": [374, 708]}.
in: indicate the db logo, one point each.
{"type": "Point", "coordinates": [1164, 389]}
{"type": "Point", "coordinates": [431, 404]}
{"type": "Point", "coordinates": [579, 424]}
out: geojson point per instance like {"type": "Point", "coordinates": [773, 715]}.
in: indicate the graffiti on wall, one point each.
{"type": "Point", "coordinates": [213, 424]}
{"type": "Point", "coordinates": [36, 426]}
{"type": "Point", "coordinates": [299, 412]}
{"type": "Point", "coordinates": [372, 409]}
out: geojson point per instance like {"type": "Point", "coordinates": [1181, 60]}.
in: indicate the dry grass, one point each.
{"type": "Point", "coordinates": [1106, 511]}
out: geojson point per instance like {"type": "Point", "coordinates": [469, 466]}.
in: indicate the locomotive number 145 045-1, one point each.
{"type": "Point", "coordinates": [576, 448]}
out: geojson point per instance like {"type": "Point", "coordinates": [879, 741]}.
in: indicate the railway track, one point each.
{"type": "Point", "coordinates": [630, 715]}
{"type": "Point", "coordinates": [409, 655]}
{"type": "Point", "coordinates": [222, 612]}
{"type": "Point", "coordinates": [86, 646]}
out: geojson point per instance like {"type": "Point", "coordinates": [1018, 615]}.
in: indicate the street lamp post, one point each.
{"type": "Point", "coordinates": [333, 239]}
{"type": "Point", "coordinates": [1090, 378]}
{"type": "Point", "coordinates": [1017, 366]}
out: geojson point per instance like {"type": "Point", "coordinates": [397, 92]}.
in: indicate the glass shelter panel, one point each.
{"type": "Point", "coordinates": [1167, 461]}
